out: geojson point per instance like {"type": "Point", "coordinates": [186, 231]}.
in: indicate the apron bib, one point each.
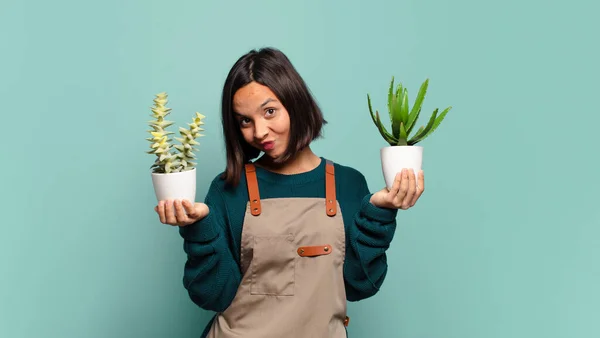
{"type": "Point", "coordinates": [292, 257]}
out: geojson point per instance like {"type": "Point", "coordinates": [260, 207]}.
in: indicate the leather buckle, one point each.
{"type": "Point", "coordinates": [316, 250]}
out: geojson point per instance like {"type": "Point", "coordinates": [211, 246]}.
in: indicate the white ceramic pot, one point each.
{"type": "Point", "coordinates": [173, 186]}
{"type": "Point", "coordinates": [395, 158]}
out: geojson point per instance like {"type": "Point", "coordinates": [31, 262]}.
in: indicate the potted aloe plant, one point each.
{"type": "Point", "coordinates": [173, 172]}
{"type": "Point", "coordinates": [402, 151]}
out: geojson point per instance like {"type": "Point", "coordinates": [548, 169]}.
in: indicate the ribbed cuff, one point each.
{"type": "Point", "coordinates": [203, 230]}
{"type": "Point", "coordinates": [382, 215]}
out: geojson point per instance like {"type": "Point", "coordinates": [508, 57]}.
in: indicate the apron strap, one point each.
{"type": "Point", "coordinates": [253, 189]}
{"type": "Point", "coordinates": [254, 195]}
{"type": "Point", "coordinates": [330, 199]}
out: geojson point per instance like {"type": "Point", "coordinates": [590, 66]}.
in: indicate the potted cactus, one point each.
{"type": "Point", "coordinates": [402, 151]}
{"type": "Point", "coordinates": [173, 172]}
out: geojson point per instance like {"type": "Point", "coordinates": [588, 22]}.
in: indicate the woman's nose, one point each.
{"type": "Point", "coordinates": [260, 130]}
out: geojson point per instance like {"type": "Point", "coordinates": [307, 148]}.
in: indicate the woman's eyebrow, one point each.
{"type": "Point", "coordinates": [267, 101]}
{"type": "Point", "coordinates": [238, 114]}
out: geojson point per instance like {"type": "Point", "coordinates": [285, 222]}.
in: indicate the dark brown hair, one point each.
{"type": "Point", "coordinates": [271, 68]}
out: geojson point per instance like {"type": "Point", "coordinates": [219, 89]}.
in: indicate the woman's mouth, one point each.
{"type": "Point", "coordinates": [268, 145]}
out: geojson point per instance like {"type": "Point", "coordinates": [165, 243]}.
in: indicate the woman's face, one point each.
{"type": "Point", "coordinates": [262, 119]}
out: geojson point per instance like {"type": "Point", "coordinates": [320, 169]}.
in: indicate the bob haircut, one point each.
{"type": "Point", "coordinates": [271, 68]}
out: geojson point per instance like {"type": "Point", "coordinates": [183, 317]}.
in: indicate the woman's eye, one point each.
{"type": "Point", "coordinates": [244, 121]}
{"type": "Point", "coordinates": [270, 111]}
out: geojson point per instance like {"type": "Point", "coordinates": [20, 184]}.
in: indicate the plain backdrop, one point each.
{"type": "Point", "coordinates": [504, 242]}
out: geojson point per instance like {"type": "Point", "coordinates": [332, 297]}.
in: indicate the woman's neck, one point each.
{"type": "Point", "coordinates": [304, 161]}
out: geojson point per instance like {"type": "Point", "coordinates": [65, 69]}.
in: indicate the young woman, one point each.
{"type": "Point", "coordinates": [284, 237]}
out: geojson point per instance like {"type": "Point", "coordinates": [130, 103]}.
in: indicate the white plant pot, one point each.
{"type": "Point", "coordinates": [395, 158]}
{"type": "Point", "coordinates": [174, 186]}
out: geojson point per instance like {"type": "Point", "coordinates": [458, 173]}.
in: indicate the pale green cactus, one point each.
{"type": "Point", "coordinates": [169, 158]}
{"type": "Point", "coordinates": [188, 141]}
{"type": "Point", "coordinates": [403, 119]}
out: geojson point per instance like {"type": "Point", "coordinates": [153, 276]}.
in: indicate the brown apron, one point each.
{"type": "Point", "coordinates": [292, 257]}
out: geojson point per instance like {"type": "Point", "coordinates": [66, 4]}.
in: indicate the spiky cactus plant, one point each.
{"type": "Point", "coordinates": [403, 118]}
{"type": "Point", "coordinates": [188, 141]}
{"type": "Point", "coordinates": [169, 158]}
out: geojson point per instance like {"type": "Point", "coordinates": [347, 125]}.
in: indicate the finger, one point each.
{"type": "Point", "coordinates": [407, 202]}
{"type": "Point", "coordinates": [189, 209]}
{"type": "Point", "coordinates": [399, 198]}
{"type": "Point", "coordinates": [202, 210]}
{"type": "Point", "coordinates": [420, 187]}
{"type": "Point", "coordinates": [161, 212]}
{"type": "Point", "coordinates": [170, 213]}
{"type": "Point", "coordinates": [396, 185]}
{"type": "Point", "coordinates": [180, 215]}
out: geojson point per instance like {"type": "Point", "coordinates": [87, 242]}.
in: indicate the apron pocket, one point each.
{"type": "Point", "coordinates": [273, 266]}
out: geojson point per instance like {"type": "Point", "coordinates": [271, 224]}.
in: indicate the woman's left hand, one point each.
{"type": "Point", "coordinates": [405, 191]}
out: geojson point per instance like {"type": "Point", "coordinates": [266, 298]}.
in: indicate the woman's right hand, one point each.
{"type": "Point", "coordinates": [173, 213]}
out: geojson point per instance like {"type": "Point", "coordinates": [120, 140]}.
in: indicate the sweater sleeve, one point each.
{"type": "Point", "coordinates": [369, 235]}
{"type": "Point", "coordinates": [211, 274]}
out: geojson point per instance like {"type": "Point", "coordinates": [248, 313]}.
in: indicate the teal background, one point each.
{"type": "Point", "coordinates": [504, 242]}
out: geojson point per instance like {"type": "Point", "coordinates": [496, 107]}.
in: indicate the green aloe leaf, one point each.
{"type": "Point", "coordinates": [416, 109]}
{"type": "Point", "coordinates": [411, 141]}
{"type": "Point", "coordinates": [404, 107]}
{"type": "Point", "coordinates": [386, 135]}
{"type": "Point", "coordinates": [390, 98]}
{"type": "Point", "coordinates": [398, 103]}
{"type": "Point", "coordinates": [396, 115]}
{"type": "Point", "coordinates": [419, 136]}
{"type": "Point", "coordinates": [377, 121]}
{"type": "Point", "coordinates": [371, 109]}
{"type": "Point", "coordinates": [437, 122]}
{"type": "Point", "coordinates": [403, 136]}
